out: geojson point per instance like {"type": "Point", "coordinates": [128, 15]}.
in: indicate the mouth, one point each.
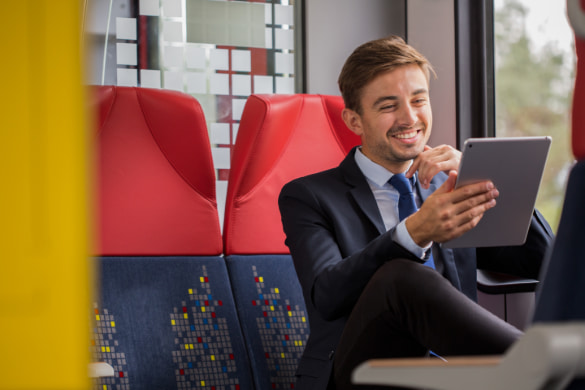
{"type": "Point", "coordinates": [406, 135]}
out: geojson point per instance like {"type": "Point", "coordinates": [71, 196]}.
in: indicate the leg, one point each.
{"type": "Point", "coordinates": [407, 309]}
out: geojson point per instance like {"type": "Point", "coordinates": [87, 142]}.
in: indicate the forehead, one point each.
{"type": "Point", "coordinates": [401, 82]}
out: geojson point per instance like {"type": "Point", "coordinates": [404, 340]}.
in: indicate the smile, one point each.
{"type": "Point", "coordinates": [407, 135]}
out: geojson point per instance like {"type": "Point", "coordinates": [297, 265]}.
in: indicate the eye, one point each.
{"type": "Point", "coordinates": [388, 107]}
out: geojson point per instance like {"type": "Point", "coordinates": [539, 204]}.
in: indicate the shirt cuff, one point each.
{"type": "Point", "coordinates": [402, 237]}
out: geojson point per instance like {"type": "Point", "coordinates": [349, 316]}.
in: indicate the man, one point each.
{"type": "Point", "coordinates": [367, 289]}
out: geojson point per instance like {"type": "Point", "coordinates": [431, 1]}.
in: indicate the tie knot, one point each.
{"type": "Point", "coordinates": [401, 183]}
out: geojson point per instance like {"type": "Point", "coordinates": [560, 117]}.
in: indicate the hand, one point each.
{"type": "Point", "coordinates": [449, 212]}
{"type": "Point", "coordinates": [432, 161]}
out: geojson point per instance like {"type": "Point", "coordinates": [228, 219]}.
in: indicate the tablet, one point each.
{"type": "Point", "coordinates": [515, 165]}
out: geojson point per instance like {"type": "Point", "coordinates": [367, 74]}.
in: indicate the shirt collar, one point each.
{"type": "Point", "coordinates": [375, 172]}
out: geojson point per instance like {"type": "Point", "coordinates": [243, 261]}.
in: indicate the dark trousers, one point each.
{"type": "Point", "coordinates": [408, 309]}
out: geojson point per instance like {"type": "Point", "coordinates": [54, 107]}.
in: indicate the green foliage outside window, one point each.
{"type": "Point", "coordinates": [534, 82]}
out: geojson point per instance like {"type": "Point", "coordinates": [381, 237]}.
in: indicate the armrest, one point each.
{"type": "Point", "coordinates": [491, 282]}
{"type": "Point", "coordinates": [100, 369]}
{"type": "Point", "coordinates": [546, 357]}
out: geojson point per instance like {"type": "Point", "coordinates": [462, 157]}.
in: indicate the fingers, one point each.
{"type": "Point", "coordinates": [471, 191]}
{"type": "Point", "coordinates": [415, 164]}
{"type": "Point", "coordinates": [432, 161]}
{"type": "Point", "coordinates": [449, 212]}
{"type": "Point", "coordinates": [468, 211]}
{"type": "Point", "coordinates": [449, 184]}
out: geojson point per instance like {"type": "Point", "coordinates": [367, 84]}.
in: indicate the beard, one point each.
{"type": "Point", "coordinates": [406, 152]}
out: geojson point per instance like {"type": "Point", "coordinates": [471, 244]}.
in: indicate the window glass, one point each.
{"type": "Point", "coordinates": [534, 74]}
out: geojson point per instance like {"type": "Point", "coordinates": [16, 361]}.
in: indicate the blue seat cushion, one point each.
{"type": "Point", "coordinates": [273, 316]}
{"type": "Point", "coordinates": [167, 323]}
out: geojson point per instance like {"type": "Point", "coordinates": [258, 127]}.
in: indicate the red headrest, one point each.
{"type": "Point", "coordinates": [281, 137]}
{"type": "Point", "coordinates": [156, 181]}
{"type": "Point", "coordinates": [578, 114]}
{"type": "Point", "coordinates": [576, 14]}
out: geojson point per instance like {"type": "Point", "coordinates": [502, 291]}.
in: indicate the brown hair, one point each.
{"type": "Point", "coordinates": [370, 60]}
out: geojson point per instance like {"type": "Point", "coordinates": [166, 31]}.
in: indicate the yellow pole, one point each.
{"type": "Point", "coordinates": [44, 282]}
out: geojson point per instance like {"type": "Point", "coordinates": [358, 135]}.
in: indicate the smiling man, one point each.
{"type": "Point", "coordinates": [366, 236]}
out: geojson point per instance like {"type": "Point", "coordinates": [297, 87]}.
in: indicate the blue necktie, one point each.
{"type": "Point", "coordinates": [406, 203]}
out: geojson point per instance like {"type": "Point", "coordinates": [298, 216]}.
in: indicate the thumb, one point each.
{"type": "Point", "coordinates": [449, 184]}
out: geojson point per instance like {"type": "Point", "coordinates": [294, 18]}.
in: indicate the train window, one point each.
{"type": "Point", "coordinates": [216, 50]}
{"type": "Point", "coordinates": [534, 74]}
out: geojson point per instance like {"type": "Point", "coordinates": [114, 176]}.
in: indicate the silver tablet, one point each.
{"type": "Point", "coordinates": [515, 165]}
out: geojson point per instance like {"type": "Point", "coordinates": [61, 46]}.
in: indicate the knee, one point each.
{"type": "Point", "coordinates": [403, 276]}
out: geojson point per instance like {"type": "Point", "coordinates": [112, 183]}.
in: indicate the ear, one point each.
{"type": "Point", "coordinates": [352, 120]}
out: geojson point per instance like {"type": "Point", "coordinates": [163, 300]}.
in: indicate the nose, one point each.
{"type": "Point", "coordinates": [407, 115]}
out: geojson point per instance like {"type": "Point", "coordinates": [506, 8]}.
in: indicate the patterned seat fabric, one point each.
{"type": "Point", "coordinates": [273, 317]}
{"type": "Point", "coordinates": [168, 323]}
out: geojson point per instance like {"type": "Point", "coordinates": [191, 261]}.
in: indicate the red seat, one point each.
{"type": "Point", "coordinates": [281, 137]}
{"type": "Point", "coordinates": [156, 181]}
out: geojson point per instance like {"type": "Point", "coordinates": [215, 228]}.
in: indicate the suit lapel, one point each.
{"type": "Point", "coordinates": [361, 192]}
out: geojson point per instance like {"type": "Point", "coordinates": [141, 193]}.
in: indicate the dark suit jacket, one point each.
{"type": "Point", "coordinates": [337, 240]}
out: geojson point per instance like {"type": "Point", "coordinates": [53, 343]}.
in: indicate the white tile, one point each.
{"type": "Point", "coordinates": [219, 84]}
{"type": "Point", "coordinates": [268, 14]}
{"type": "Point", "coordinates": [220, 133]}
{"type": "Point", "coordinates": [241, 85]}
{"type": "Point", "coordinates": [238, 108]}
{"type": "Point", "coordinates": [284, 63]}
{"type": "Point", "coordinates": [241, 61]}
{"type": "Point", "coordinates": [149, 78]}
{"type": "Point", "coordinates": [219, 59]}
{"type": "Point", "coordinates": [284, 39]}
{"type": "Point", "coordinates": [149, 7]}
{"type": "Point", "coordinates": [263, 84]}
{"type": "Point", "coordinates": [173, 56]}
{"type": "Point", "coordinates": [127, 77]}
{"type": "Point", "coordinates": [196, 83]}
{"type": "Point", "coordinates": [173, 80]}
{"type": "Point", "coordinates": [173, 31]}
{"type": "Point", "coordinates": [172, 8]}
{"type": "Point", "coordinates": [221, 157]}
{"type": "Point", "coordinates": [126, 28]}
{"type": "Point", "coordinates": [268, 38]}
{"type": "Point", "coordinates": [283, 14]}
{"type": "Point", "coordinates": [196, 57]}
{"type": "Point", "coordinates": [285, 85]}
{"type": "Point", "coordinates": [126, 54]}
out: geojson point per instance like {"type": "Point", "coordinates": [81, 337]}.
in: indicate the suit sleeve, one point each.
{"type": "Point", "coordinates": [525, 260]}
{"type": "Point", "coordinates": [333, 280]}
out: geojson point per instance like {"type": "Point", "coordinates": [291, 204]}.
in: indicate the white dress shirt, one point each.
{"type": "Point", "coordinates": [387, 199]}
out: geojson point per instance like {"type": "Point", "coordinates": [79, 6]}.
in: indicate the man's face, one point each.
{"type": "Point", "coordinates": [396, 118]}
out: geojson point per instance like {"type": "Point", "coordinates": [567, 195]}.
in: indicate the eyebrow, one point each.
{"type": "Point", "coordinates": [383, 99]}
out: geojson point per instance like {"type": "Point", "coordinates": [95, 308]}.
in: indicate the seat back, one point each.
{"type": "Point", "coordinates": [281, 137]}
{"type": "Point", "coordinates": [164, 316]}
{"type": "Point", "coordinates": [559, 298]}
{"type": "Point", "coordinates": [156, 181]}
{"type": "Point", "coordinates": [565, 267]}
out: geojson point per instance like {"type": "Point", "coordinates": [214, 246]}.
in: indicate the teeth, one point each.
{"type": "Point", "coordinates": [410, 134]}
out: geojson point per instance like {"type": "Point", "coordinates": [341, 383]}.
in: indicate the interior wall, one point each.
{"type": "Point", "coordinates": [349, 23]}
{"type": "Point", "coordinates": [431, 29]}
{"type": "Point", "coordinates": [429, 25]}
